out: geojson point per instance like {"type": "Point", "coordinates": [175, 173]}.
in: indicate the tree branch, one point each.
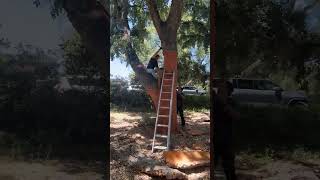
{"type": "Point", "coordinates": [175, 14]}
{"type": "Point", "coordinates": [312, 5]}
{"type": "Point", "coordinates": [121, 13]}
{"type": "Point", "coordinates": [91, 21]}
{"type": "Point", "coordinates": [154, 13]}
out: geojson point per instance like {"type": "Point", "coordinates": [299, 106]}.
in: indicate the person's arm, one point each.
{"type": "Point", "coordinates": [157, 52]}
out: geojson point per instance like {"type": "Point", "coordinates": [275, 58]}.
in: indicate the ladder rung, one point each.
{"type": "Point", "coordinates": [161, 136]}
{"type": "Point", "coordinates": [164, 108]}
{"type": "Point", "coordinates": [162, 125]}
{"type": "Point", "coordinates": [166, 92]}
{"type": "Point", "coordinates": [165, 99]}
{"type": "Point", "coordinates": [160, 147]}
{"type": "Point", "coordinates": [163, 116]}
{"type": "Point", "coordinates": [167, 79]}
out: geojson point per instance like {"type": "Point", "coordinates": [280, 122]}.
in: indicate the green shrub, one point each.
{"type": "Point", "coordinates": [259, 128]}
{"type": "Point", "coordinates": [197, 102]}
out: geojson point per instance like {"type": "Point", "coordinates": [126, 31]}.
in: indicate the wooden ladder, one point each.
{"type": "Point", "coordinates": [164, 110]}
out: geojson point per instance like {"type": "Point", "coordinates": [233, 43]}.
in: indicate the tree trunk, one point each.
{"type": "Point", "coordinates": [212, 73]}
{"type": "Point", "coordinates": [167, 31]}
{"type": "Point", "coordinates": [92, 22]}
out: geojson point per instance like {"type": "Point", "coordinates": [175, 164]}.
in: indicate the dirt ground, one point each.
{"type": "Point", "coordinates": [131, 135]}
{"type": "Point", "coordinates": [47, 170]}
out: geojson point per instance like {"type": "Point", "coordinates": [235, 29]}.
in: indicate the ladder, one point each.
{"type": "Point", "coordinates": [164, 110]}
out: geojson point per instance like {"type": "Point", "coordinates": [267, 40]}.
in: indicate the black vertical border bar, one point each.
{"type": "Point", "coordinates": [212, 72]}
{"type": "Point", "coordinates": [107, 99]}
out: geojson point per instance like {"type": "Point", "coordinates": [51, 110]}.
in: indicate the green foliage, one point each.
{"type": "Point", "coordinates": [193, 33]}
{"type": "Point", "coordinates": [78, 61]}
{"type": "Point", "coordinates": [121, 97]}
{"type": "Point", "coordinates": [264, 30]}
{"type": "Point", "coordinates": [197, 102]}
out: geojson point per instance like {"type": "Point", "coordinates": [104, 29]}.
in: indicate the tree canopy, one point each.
{"type": "Point", "coordinates": [192, 36]}
{"type": "Point", "coordinates": [274, 35]}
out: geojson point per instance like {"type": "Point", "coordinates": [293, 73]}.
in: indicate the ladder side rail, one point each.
{"type": "Point", "coordinates": [158, 109]}
{"type": "Point", "coordinates": [170, 114]}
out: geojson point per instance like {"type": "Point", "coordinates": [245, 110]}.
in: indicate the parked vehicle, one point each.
{"type": "Point", "coordinates": [262, 92]}
{"type": "Point", "coordinates": [135, 88]}
{"type": "Point", "coordinates": [191, 90]}
{"type": "Point", "coordinates": [79, 83]}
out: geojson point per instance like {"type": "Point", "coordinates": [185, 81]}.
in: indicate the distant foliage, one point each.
{"type": "Point", "coordinates": [47, 117]}
{"type": "Point", "coordinates": [121, 97]}
{"type": "Point", "coordinates": [197, 102]}
{"type": "Point", "coordinates": [78, 61]}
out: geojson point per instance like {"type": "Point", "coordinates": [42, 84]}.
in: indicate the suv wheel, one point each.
{"type": "Point", "coordinates": [299, 104]}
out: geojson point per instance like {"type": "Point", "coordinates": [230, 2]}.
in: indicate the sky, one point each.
{"type": "Point", "coordinates": [119, 69]}
{"type": "Point", "coordinates": [23, 22]}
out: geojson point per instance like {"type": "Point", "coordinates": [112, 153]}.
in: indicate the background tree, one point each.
{"type": "Point", "coordinates": [77, 59]}
{"type": "Point", "coordinates": [267, 36]}
{"type": "Point", "coordinates": [193, 32]}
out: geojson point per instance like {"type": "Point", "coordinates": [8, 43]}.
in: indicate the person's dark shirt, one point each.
{"type": "Point", "coordinates": [222, 121]}
{"type": "Point", "coordinates": [152, 63]}
{"type": "Point", "coordinates": [179, 99]}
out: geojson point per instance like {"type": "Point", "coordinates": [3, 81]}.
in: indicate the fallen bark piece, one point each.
{"type": "Point", "coordinates": [186, 159]}
{"type": "Point", "coordinates": [197, 146]}
{"type": "Point", "coordinates": [142, 177]}
{"type": "Point", "coordinates": [164, 171]}
{"type": "Point", "coordinates": [153, 168]}
{"type": "Point", "coordinates": [196, 132]}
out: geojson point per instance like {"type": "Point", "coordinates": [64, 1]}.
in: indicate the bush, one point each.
{"type": "Point", "coordinates": [121, 98]}
{"type": "Point", "coordinates": [197, 102]}
{"type": "Point", "coordinates": [131, 99]}
{"type": "Point", "coordinates": [55, 118]}
{"type": "Point", "coordinates": [259, 128]}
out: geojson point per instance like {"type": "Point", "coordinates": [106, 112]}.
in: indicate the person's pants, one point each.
{"type": "Point", "coordinates": [225, 153]}
{"type": "Point", "coordinates": [180, 111]}
{"type": "Point", "coordinates": [152, 72]}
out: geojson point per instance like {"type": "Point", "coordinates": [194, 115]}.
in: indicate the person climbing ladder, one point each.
{"type": "Point", "coordinates": [153, 66]}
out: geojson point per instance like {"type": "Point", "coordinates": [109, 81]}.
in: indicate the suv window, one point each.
{"type": "Point", "coordinates": [189, 88]}
{"type": "Point", "coordinates": [264, 85]}
{"type": "Point", "coordinates": [216, 82]}
{"type": "Point", "coordinates": [269, 85]}
{"type": "Point", "coordinates": [245, 84]}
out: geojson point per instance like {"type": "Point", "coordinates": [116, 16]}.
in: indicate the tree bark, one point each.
{"type": "Point", "coordinates": [167, 30]}
{"type": "Point", "coordinates": [212, 73]}
{"type": "Point", "coordinates": [92, 21]}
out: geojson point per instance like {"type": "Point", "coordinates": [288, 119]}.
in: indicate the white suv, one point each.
{"type": "Point", "coordinates": [191, 90]}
